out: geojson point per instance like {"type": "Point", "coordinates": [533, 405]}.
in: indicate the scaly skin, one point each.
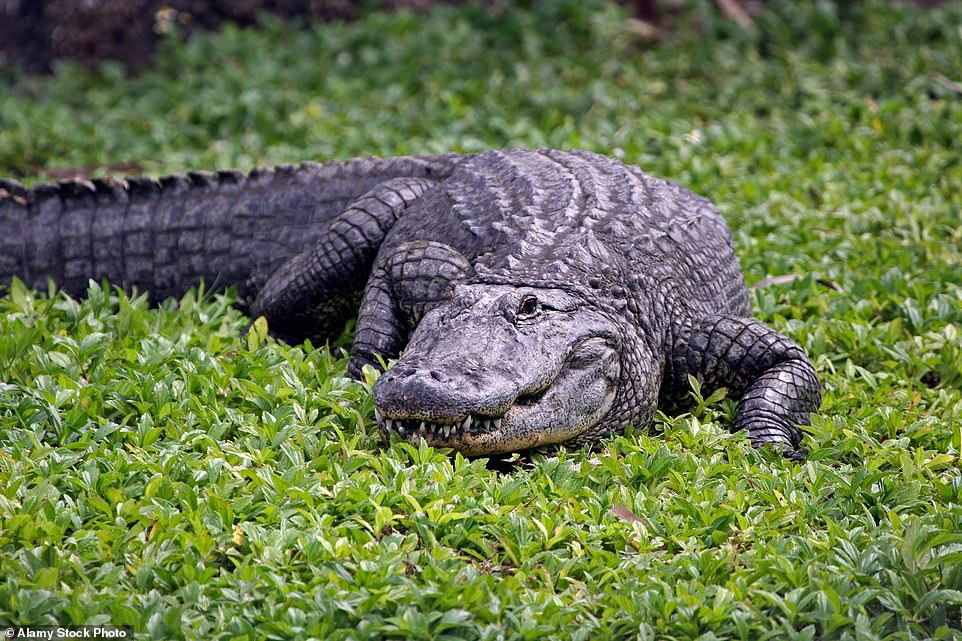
{"type": "Point", "coordinates": [539, 297]}
{"type": "Point", "coordinates": [165, 236]}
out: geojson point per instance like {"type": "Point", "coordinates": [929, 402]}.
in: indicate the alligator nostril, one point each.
{"type": "Point", "coordinates": [436, 375]}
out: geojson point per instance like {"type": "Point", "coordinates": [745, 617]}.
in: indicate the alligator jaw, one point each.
{"type": "Point", "coordinates": [413, 428]}
{"type": "Point", "coordinates": [571, 405]}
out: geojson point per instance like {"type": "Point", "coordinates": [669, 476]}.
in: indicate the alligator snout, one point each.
{"type": "Point", "coordinates": [433, 395]}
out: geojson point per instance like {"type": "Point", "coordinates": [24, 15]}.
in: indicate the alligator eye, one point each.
{"type": "Point", "coordinates": [528, 306]}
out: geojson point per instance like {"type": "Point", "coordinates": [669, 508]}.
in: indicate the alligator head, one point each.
{"type": "Point", "coordinates": [501, 369]}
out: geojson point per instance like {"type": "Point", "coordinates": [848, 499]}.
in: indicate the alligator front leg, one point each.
{"type": "Point", "coordinates": [407, 283]}
{"type": "Point", "coordinates": [314, 294]}
{"type": "Point", "coordinates": [770, 376]}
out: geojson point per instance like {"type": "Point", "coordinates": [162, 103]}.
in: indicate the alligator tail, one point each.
{"type": "Point", "coordinates": [164, 236]}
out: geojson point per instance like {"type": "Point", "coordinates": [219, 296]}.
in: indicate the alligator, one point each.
{"type": "Point", "coordinates": [531, 298]}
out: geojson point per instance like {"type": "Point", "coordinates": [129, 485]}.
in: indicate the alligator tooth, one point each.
{"type": "Point", "coordinates": [377, 415]}
{"type": "Point", "coordinates": [467, 423]}
{"type": "Point", "coordinates": [400, 430]}
{"type": "Point", "coordinates": [497, 423]}
{"type": "Point", "coordinates": [421, 428]}
{"type": "Point", "coordinates": [447, 431]}
{"type": "Point", "coordinates": [389, 424]}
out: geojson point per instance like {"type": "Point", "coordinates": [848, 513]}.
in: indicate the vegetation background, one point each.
{"type": "Point", "coordinates": [159, 470]}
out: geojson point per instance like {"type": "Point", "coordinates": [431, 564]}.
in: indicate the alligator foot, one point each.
{"type": "Point", "coordinates": [770, 375]}
{"type": "Point", "coordinates": [410, 281]}
{"type": "Point", "coordinates": [314, 293]}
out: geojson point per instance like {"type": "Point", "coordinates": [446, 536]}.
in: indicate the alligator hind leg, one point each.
{"type": "Point", "coordinates": [409, 282]}
{"type": "Point", "coordinates": [770, 376]}
{"type": "Point", "coordinates": [314, 294]}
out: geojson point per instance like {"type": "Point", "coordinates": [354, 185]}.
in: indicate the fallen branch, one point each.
{"type": "Point", "coordinates": [788, 279]}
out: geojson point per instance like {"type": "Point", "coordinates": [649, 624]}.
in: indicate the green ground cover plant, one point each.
{"type": "Point", "coordinates": [161, 469]}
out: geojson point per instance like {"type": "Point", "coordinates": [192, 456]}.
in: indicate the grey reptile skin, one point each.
{"type": "Point", "coordinates": [534, 298]}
